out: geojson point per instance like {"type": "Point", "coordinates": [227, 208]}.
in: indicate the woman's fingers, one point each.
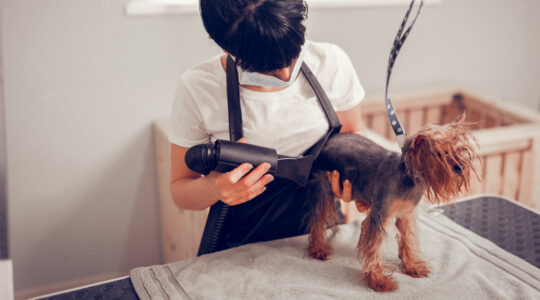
{"type": "Point", "coordinates": [253, 191]}
{"type": "Point", "coordinates": [336, 186]}
{"type": "Point", "coordinates": [253, 176]}
{"type": "Point", "coordinates": [347, 191]}
{"type": "Point", "coordinates": [225, 182]}
{"type": "Point", "coordinates": [239, 187]}
{"type": "Point", "coordinates": [239, 172]}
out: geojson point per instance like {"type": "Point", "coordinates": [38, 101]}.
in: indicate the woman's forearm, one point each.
{"type": "Point", "coordinates": [194, 193]}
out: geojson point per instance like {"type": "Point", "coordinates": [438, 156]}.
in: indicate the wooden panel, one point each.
{"type": "Point", "coordinates": [534, 200]}
{"type": "Point", "coordinates": [441, 97]}
{"type": "Point", "coordinates": [493, 117]}
{"type": "Point", "coordinates": [527, 174]}
{"type": "Point", "coordinates": [502, 146]}
{"type": "Point", "coordinates": [453, 110]}
{"type": "Point", "coordinates": [416, 120]}
{"type": "Point", "coordinates": [498, 119]}
{"type": "Point", "coordinates": [511, 174]}
{"type": "Point", "coordinates": [505, 121]}
{"type": "Point", "coordinates": [488, 116]}
{"type": "Point", "coordinates": [493, 174]}
{"type": "Point", "coordinates": [476, 181]}
{"type": "Point", "coordinates": [369, 120]}
{"type": "Point", "coordinates": [181, 230]}
{"type": "Point", "coordinates": [380, 125]}
{"type": "Point", "coordinates": [403, 117]}
{"type": "Point", "coordinates": [433, 115]}
{"type": "Point", "coordinates": [478, 113]}
{"type": "Point", "coordinates": [517, 113]}
{"type": "Point", "coordinates": [491, 121]}
{"type": "Point", "coordinates": [411, 101]}
{"type": "Point", "coordinates": [505, 139]}
{"type": "Point", "coordinates": [474, 115]}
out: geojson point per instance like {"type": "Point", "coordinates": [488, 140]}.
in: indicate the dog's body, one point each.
{"type": "Point", "coordinates": [436, 160]}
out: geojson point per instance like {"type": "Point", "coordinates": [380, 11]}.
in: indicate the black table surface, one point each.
{"type": "Point", "coordinates": [510, 226]}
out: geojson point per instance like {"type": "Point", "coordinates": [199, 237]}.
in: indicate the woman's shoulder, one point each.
{"type": "Point", "coordinates": [323, 57]}
{"type": "Point", "coordinates": [208, 74]}
{"type": "Point", "coordinates": [323, 49]}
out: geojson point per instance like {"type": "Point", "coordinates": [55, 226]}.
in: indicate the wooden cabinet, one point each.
{"type": "Point", "coordinates": [181, 230]}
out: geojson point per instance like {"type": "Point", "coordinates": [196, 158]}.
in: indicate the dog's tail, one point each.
{"type": "Point", "coordinates": [321, 209]}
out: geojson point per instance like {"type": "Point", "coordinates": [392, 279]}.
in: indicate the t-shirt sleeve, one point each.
{"type": "Point", "coordinates": [347, 88]}
{"type": "Point", "coordinates": [186, 124]}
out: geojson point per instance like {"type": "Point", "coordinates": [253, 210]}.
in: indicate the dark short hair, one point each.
{"type": "Point", "coordinates": [264, 35]}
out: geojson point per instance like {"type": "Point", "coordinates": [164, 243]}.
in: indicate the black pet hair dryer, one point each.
{"type": "Point", "coordinates": [223, 156]}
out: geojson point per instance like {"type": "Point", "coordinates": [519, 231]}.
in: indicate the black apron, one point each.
{"type": "Point", "coordinates": [279, 211]}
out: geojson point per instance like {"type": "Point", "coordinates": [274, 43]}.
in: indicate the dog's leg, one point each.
{"type": "Point", "coordinates": [412, 265]}
{"type": "Point", "coordinates": [369, 248]}
{"type": "Point", "coordinates": [322, 214]}
{"type": "Point", "coordinates": [319, 247]}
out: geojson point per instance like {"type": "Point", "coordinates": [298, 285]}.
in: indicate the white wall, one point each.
{"type": "Point", "coordinates": [83, 83]}
{"type": "Point", "coordinates": [489, 45]}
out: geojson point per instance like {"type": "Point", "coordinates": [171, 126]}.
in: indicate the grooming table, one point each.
{"type": "Point", "coordinates": [510, 226]}
{"type": "Point", "coordinates": [507, 224]}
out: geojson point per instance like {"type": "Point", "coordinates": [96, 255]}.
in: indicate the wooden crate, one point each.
{"type": "Point", "coordinates": [508, 136]}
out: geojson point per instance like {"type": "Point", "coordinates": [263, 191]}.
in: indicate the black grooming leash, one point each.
{"type": "Point", "coordinates": [401, 36]}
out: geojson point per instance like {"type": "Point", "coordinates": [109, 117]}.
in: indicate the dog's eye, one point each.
{"type": "Point", "coordinates": [458, 169]}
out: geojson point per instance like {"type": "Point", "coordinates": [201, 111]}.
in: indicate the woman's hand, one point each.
{"type": "Point", "coordinates": [190, 190]}
{"type": "Point", "coordinates": [344, 193]}
{"type": "Point", "coordinates": [234, 188]}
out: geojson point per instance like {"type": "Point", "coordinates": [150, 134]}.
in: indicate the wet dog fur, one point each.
{"type": "Point", "coordinates": [437, 161]}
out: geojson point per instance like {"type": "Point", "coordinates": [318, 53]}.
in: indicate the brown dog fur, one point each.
{"type": "Point", "coordinates": [437, 161]}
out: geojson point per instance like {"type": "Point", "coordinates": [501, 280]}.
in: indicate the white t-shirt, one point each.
{"type": "Point", "coordinates": [289, 120]}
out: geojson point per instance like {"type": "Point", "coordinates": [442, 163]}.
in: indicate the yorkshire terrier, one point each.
{"type": "Point", "coordinates": [437, 161]}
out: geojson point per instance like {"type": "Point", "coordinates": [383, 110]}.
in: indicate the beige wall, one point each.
{"type": "Point", "coordinates": [83, 83]}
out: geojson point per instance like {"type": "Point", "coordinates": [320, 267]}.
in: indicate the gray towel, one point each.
{"type": "Point", "coordinates": [463, 264]}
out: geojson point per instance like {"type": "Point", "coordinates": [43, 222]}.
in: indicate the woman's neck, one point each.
{"type": "Point", "coordinates": [283, 74]}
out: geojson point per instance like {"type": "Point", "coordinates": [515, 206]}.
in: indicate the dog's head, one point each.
{"type": "Point", "coordinates": [441, 157]}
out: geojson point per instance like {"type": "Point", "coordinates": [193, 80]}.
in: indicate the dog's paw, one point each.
{"type": "Point", "coordinates": [417, 269]}
{"type": "Point", "coordinates": [380, 282]}
{"type": "Point", "coordinates": [319, 254]}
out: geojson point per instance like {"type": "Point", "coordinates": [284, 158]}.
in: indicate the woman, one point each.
{"type": "Point", "coordinates": [279, 110]}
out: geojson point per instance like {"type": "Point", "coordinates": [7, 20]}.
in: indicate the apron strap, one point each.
{"type": "Point", "coordinates": [329, 111]}
{"type": "Point", "coordinates": [218, 212]}
{"type": "Point", "coordinates": [321, 96]}
{"type": "Point", "coordinates": [236, 130]}
{"type": "Point", "coordinates": [215, 222]}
